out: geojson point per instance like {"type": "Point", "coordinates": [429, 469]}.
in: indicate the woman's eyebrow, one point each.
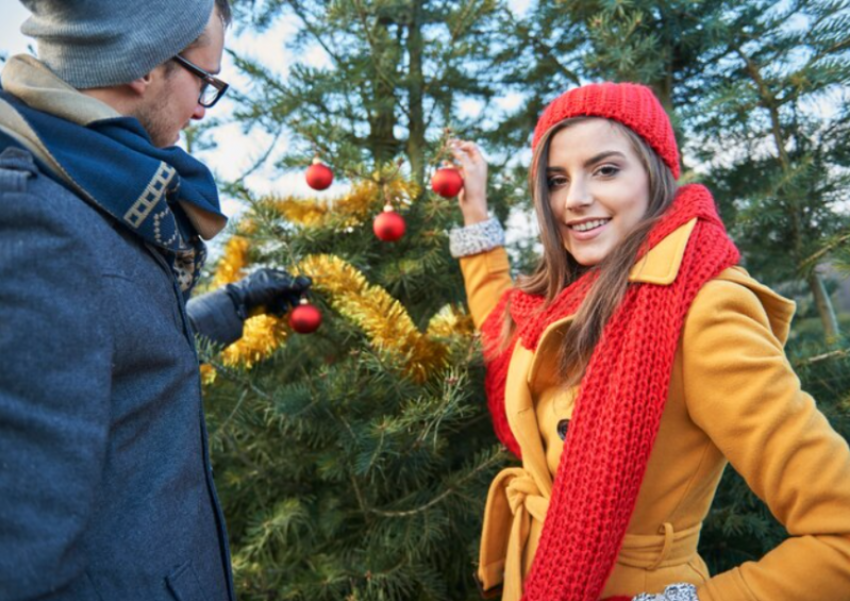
{"type": "Point", "coordinates": [602, 156]}
{"type": "Point", "coordinates": [592, 160]}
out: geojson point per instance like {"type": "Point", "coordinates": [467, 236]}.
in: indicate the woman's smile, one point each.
{"type": "Point", "coordinates": [598, 188]}
{"type": "Point", "coordinates": [587, 229]}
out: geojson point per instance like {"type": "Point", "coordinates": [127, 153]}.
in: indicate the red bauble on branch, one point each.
{"type": "Point", "coordinates": [319, 176]}
{"type": "Point", "coordinates": [389, 226]}
{"type": "Point", "coordinates": [305, 318]}
{"type": "Point", "coordinates": [447, 182]}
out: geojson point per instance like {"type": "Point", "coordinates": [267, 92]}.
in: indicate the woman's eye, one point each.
{"type": "Point", "coordinates": [607, 170]}
{"type": "Point", "coordinates": [556, 181]}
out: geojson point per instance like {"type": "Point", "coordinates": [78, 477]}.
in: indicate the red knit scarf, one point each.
{"type": "Point", "coordinates": [619, 406]}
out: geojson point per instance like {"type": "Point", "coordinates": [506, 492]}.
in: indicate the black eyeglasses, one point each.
{"type": "Point", "coordinates": [212, 89]}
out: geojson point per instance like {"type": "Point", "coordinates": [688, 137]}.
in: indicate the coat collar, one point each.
{"type": "Point", "coordinates": [33, 83]}
{"type": "Point", "coordinates": [28, 79]}
{"type": "Point", "coordinates": [659, 266]}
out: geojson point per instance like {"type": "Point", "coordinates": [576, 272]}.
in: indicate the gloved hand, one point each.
{"type": "Point", "coordinates": [274, 289]}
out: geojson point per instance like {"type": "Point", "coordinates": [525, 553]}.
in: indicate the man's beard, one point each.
{"type": "Point", "coordinates": [154, 118]}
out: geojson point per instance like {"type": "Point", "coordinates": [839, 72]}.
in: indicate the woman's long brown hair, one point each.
{"type": "Point", "coordinates": [557, 269]}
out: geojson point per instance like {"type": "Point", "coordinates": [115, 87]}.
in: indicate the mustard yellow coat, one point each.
{"type": "Point", "coordinates": [733, 397]}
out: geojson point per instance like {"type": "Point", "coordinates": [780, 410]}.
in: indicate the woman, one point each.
{"type": "Point", "coordinates": [629, 368]}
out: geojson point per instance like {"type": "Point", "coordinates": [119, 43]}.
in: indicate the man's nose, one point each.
{"type": "Point", "coordinates": [200, 111]}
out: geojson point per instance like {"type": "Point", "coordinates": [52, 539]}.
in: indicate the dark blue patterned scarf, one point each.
{"type": "Point", "coordinates": [112, 164]}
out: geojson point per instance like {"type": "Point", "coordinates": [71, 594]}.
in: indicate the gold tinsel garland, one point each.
{"type": "Point", "coordinates": [262, 334]}
{"type": "Point", "coordinates": [384, 320]}
{"type": "Point", "coordinates": [355, 207]}
{"type": "Point", "coordinates": [233, 262]}
{"type": "Point", "coordinates": [449, 321]}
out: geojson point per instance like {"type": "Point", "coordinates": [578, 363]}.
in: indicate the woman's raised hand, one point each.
{"type": "Point", "coordinates": [472, 166]}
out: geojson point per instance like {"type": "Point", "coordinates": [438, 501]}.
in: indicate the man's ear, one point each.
{"type": "Point", "coordinates": [140, 85]}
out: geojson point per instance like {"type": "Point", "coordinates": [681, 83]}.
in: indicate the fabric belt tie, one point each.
{"type": "Point", "coordinates": [514, 499]}
{"type": "Point", "coordinates": [526, 502]}
{"type": "Point", "coordinates": [653, 551]}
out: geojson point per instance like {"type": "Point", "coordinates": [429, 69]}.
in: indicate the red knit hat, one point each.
{"type": "Point", "coordinates": [633, 105]}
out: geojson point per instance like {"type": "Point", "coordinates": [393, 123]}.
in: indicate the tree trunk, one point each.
{"type": "Point", "coordinates": [824, 306]}
{"type": "Point", "coordinates": [416, 141]}
{"type": "Point", "coordinates": [382, 106]}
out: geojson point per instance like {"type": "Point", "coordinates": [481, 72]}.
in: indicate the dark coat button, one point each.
{"type": "Point", "coordinates": [563, 425]}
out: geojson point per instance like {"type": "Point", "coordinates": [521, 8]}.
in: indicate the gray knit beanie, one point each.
{"type": "Point", "coordinates": [94, 43]}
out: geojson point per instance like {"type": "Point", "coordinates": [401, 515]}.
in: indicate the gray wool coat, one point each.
{"type": "Point", "coordinates": [106, 488]}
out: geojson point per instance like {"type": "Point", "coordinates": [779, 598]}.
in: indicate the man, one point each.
{"type": "Point", "coordinates": [106, 490]}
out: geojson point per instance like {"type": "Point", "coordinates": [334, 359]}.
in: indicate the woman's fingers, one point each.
{"type": "Point", "coordinates": [473, 198]}
{"type": "Point", "coordinates": [471, 148]}
{"type": "Point", "coordinates": [466, 150]}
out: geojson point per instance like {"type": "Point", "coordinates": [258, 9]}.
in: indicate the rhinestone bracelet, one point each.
{"type": "Point", "coordinates": [476, 238]}
{"type": "Point", "coordinates": [674, 592]}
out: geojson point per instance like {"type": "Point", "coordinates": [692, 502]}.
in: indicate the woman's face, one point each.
{"type": "Point", "coordinates": [598, 188]}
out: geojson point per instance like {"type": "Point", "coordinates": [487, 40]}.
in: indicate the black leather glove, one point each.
{"type": "Point", "coordinates": [274, 289]}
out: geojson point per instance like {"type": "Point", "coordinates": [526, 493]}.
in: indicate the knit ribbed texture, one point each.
{"type": "Point", "coordinates": [633, 105]}
{"type": "Point", "coordinates": [95, 43]}
{"type": "Point", "coordinates": [619, 406]}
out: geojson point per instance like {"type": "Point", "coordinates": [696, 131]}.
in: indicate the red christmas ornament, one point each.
{"type": "Point", "coordinates": [305, 318]}
{"type": "Point", "coordinates": [319, 176]}
{"type": "Point", "coordinates": [447, 182]}
{"type": "Point", "coordinates": [389, 226]}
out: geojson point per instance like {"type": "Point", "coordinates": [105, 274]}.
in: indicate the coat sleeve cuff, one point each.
{"type": "Point", "coordinates": [213, 316]}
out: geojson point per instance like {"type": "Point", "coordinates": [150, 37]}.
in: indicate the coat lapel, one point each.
{"type": "Point", "coordinates": [532, 371]}
{"type": "Point", "coordinates": [519, 408]}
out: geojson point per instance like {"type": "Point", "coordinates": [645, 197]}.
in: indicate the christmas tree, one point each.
{"type": "Point", "coordinates": [353, 462]}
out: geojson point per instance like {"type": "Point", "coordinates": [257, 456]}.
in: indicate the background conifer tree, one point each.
{"type": "Point", "coordinates": [354, 462]}
{"type": "Point", "coordinates": [773, 122]}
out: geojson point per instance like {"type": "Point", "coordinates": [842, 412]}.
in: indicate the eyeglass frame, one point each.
{"type": "Point", "coordinates": [208, 78]}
